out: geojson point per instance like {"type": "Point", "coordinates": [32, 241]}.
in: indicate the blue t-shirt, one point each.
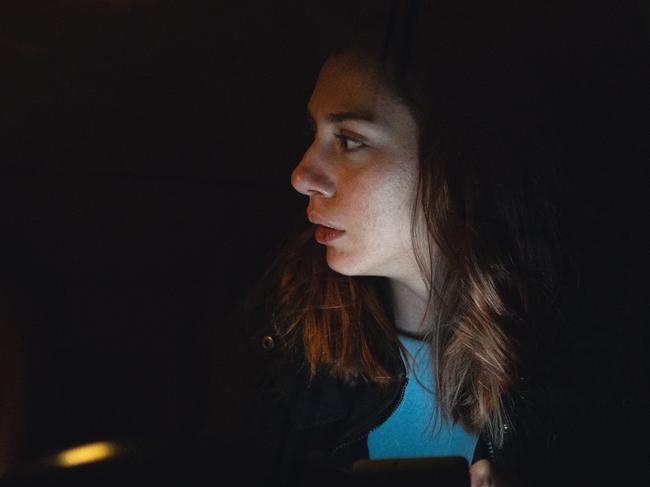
{"type": "Point", "coordinates": [415, 428]}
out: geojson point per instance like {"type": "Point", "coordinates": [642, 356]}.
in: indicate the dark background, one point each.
{"type": "Point", "coordinates": [146, 148]}
{"type": "Point", "coordinates": [146, 155]}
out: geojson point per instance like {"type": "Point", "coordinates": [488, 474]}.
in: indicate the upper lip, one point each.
{"type": "Point", "coordinates": [319, 220]}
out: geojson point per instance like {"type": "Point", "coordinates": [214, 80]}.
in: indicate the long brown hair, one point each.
{"type": "Point", "coordinates": [487, 215]}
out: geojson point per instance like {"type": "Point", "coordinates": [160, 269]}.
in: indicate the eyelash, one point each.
{"type": "Point", "coordinates": [343, 140]}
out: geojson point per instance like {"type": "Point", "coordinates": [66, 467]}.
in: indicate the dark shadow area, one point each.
{"type": "Point", "coordinates": [145, 159]}
{"type": "Point", "coordinates": [145, 153]}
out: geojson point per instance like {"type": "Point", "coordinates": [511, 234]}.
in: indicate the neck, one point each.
{"type": "Point", "coordinates": [410, 306]}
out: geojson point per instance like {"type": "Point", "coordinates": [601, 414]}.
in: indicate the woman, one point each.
{"type": "Point", "coordinates": [361, 176]}
{"type": "Point", "coordinates": [417, 314]}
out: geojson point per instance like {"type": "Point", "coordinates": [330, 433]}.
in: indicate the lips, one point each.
{"type": "Point", "coordinates": [326, 231]}
{"type": "Point", "coordinates": [318, 220]}
{"type": "Point", "coordinates": [324, 235]}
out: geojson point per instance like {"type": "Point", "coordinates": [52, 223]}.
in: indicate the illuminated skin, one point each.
{"type": "Point", "coordinates": [360, 172]}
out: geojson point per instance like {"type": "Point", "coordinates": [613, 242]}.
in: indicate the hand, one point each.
{"type": "Point", "coordinates": [481, 474]}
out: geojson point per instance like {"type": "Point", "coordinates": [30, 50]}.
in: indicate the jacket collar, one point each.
{"type": "Point", "coordinates": [328, 399]}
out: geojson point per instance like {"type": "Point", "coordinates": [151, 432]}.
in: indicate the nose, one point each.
{"type": "Point", "coordinates": [310, 177]}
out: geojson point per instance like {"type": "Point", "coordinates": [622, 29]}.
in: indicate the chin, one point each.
{"type": "Point", "coordinates": [346, 264]}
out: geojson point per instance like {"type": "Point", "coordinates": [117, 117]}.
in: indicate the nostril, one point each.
{"type": "Point", "coordinates": [309, 177]}
{"type": "Point", "coordinates": [304, 180]}
{"type": "Point", "coordinates": [298, 180]}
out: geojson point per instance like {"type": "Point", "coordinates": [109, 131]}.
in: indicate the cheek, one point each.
{"type": "Point", "coordinates": [383, 206]}
{"type": "Point", "coordinates": [395, 193]}
{"type": "Point", "coordinates": [378, 207]}
{"type": "Point", "coordinates": [366, 203]}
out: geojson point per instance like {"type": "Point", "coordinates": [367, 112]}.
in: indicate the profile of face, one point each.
{"type": "Point", "coordinates": [360, 172]}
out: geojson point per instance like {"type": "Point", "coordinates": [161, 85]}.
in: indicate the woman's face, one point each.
{"type": "Point", "coordinates": [360, 172]}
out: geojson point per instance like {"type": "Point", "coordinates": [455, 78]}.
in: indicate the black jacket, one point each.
{"type": "Point", "coordinates": [266, 406]}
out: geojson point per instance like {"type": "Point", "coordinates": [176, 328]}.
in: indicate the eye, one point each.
{"type": "Point", "coordinates": [348, 143]}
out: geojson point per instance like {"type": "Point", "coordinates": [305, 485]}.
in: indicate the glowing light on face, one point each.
{"type": "Point", "coordinates": [361, 171]}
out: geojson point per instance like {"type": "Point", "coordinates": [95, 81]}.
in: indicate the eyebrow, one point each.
{"type": "Point", "coordinates": [337, 117]}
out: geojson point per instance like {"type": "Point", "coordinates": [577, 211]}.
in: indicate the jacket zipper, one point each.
{"type": "Point", "coordinates": [378, 423]}
{"type": "Point", "coordinates": [491, 451]}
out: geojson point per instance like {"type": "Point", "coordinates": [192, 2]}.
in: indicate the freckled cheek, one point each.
{"type": "Point", "coordinates": [379, 204]}
{"type": "Point", "coordinates": [397, 205]}
{"type": "Point", "coordinates": [379, 211]}
{"type": "Point", "coordinates": [361, 209]}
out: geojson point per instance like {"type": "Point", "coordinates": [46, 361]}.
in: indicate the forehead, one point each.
{"type": "Point", "coordinates": [347, 84]}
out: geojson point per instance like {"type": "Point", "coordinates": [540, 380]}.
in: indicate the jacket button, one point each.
{"type": "Point", "coordinates": [268, 343]}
